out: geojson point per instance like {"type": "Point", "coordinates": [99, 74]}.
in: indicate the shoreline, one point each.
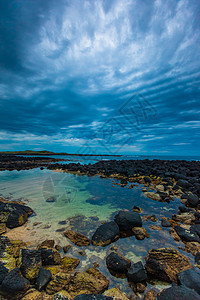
{"type": "Point", "coordinates": [162, 181]}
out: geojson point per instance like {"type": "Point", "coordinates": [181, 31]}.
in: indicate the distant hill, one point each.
{"type": "Point", "coordinates": [45, 152]}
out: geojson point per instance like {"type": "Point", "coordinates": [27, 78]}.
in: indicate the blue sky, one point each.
{"type": "Point", "coordinates": [100, 76]}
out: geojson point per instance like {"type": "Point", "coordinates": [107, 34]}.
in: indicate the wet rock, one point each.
{"type": "Point", "coordinates": [153, 196]}
{"type": "Point", "coordinates": [192, 200]}
{"type": "Point", "coordinates": [106, 234]}
{"type": "Point", "coordinates": [178, 292]}
{"type": "Point", "coordinates": [152, 218]}
{"type": "Point", "coordinates": [155, 227]}
{"type": "Point", "coordinates": [192, 247]}
{"type": "Point", "coordinates": [140, 233]}
{"type": "Point", "coordinates": [136, 209]}
{"type": "Point", "coordinates": [68, 264]}
{"type": "Point", "coordinates": [78, 239]}
{"type": "Point", "coordinates": [140, 287]}
{"type": "Point", "coordinates": [81, 252]}
{"type": "Point", "coordinates": [17, 214]}
{"type": "Point", "coordinates": [117, 263]}
{"type": "Point", "coordinates": [62, 295]}
{"type": "Point", "coordinates": [57, 283]}
{"type": "Point", "coordinates": [126, 220]}
{"type": "Point", "coordinates": [46, 243]}
{"type": "Point", "coordinates": [92, 297]}
{"type": "Point", "coordinates": [147, 179]}
{"type": "Point", "coordinates": [50, 256]}
{"type": "Point", "coordinates": [33, 294]}
{"type": "Point", "coordinates": [115, 293]}
{"type": "Point", "coordinates": [2, 228]}
{"type": "Point", "coordinates": [137, 273]}
{"type": "Point", "coordinates": [58, 247]}
{"type": "Point", "coordinates": [183, 183]}
{"type": "Point", "coordinates": [150, 295]}
{"type": "Point", "coordinates": [197, 258]}
{"type": "Point", "coordinates": [186, 234]}
{"type": "Point", "coordinates": [166, 263]}
{"type": "Point", "coordinates": [190, 278]}
{"type": "Point", "coordinates": [43, 279]}
{"type": "Point", "coordinates": [175, 236]}
{"type": "Point", "coordinates": [186, 218]}
{"type": "Point", "coordinates": [14, 284]}
{"type": "Point", "coordinates": [91, 281]}
{"type": "Point", "coordinates": [165, 222]}
{"type": "Point", "coordinates": [31, 263]}
{"type": "Point", "coordinates": [51, 199]}
{"type": "Point", "coordinates": [3, 272]}
{"type": "Point", "coordinates": [66, 248]}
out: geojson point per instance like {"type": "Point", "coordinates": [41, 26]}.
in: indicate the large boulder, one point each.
{"type": "Point", "coordinates": [117, 263]}
{"type": "Point", "coordinates": [126, 220]}
{"type": "Point", "coordinates": [43, 279]}
{"type": "Point", "coordinates": [137, 273]}
{"type": "Point", "coordinates": [16, 214]}
{"type": "Point", "coordinates": [166, 263]}
{"type": "Point", "coordinates": [106, 234]}
{"type": "Point", "coordinates": [31, 263]}
{"type": "Point", "coordinates": [91, 281]}
{"type": "Point", "coordinates": [78, 239]}
{"type": "Point", "coordinates": [190, 278]}
{"type": "Point", "coordinates": [14, 284]}
{"type": "Point", "coordinates": [178, 293]}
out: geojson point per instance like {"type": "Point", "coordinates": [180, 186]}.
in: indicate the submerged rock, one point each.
{"type": "Point", "coordinates": [117, 262]}
{"type": "Point", "coordinates": [166, 263]}
{"type": "Point", "coordinates": [137, 273]}
{"type": "Point", "coordinates": [14, 284]}
{"type": "Point", "coordinates": [178, 292]}
{"type": "Point", "coordinates": [140, 233]}
{"type": "Point", "coordinates": [78, 239]}
{"type": "Point", "coordinates": [91, 281]}
{"type": "Point", "coordinates": [106, 234]}
{"type": "Point", "coordinates": [165, 222]}
{"type": "Point", "coordinates": [126, 220]}
{"type": "Point", "coordinates": [31, 263]}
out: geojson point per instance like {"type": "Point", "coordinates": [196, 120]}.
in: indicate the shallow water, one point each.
{"type": "Point", "coordinates": [81, 203]}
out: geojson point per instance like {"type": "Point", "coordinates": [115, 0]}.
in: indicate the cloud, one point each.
{"type": "Point", "coordinates": [68, 68]}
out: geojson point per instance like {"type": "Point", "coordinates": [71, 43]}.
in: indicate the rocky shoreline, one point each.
{"type": "Point", "coordinates": [47, 272]}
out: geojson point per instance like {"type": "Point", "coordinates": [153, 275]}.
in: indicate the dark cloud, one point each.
{"type": "Point", "coordinates": [68, 67]}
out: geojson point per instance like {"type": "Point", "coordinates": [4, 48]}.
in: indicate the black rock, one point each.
{"type": "Point", "coordinates": [43, 279]}
{"type": "Point", "coordinates": [31, 263]}
{"type": "Point", "coordinates": [197, 258]}
{"type": "Point", "coordinates": [183, 183]}
{"type": "Point", "coordinates": [126, 220]}
{"type": "Point", "coordinates": [14, 284]}
{"type": "Point", "coordinates": [147, 179]}
{"type": "Point", "coordinates": [105, 234]}
{"type": "Point", "coordinates": [186, 235]}
{"type": "Point", "coordinates": [137, 273]}
{"type": "Point", "coordinates": [50, 256]}
{"type": "Point", "coordinates": [117, 263]}
{"type": "Point", "coordinates": [17, 213]}
{"type": "Point", "coordinates": [3, 272]}
{"type": "Point", "coordinates": [195, 229]}
{"type": "Point", "coordinates": [165, 223]}
{"type": "Point", "coordinates": [178, 293]}
{"type": "Point", "coordinates": [92, 297]}
{"type": "Point", "coordinates": [190, 278]}
{"type": "Point", "coordinates": [192, 200]}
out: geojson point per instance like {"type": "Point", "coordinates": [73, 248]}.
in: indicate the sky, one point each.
{"type": "Point", "coordinates": [100, 76]}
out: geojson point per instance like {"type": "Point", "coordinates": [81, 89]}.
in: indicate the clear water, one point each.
{"type": "Point", "coordinates": [83, 202]}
